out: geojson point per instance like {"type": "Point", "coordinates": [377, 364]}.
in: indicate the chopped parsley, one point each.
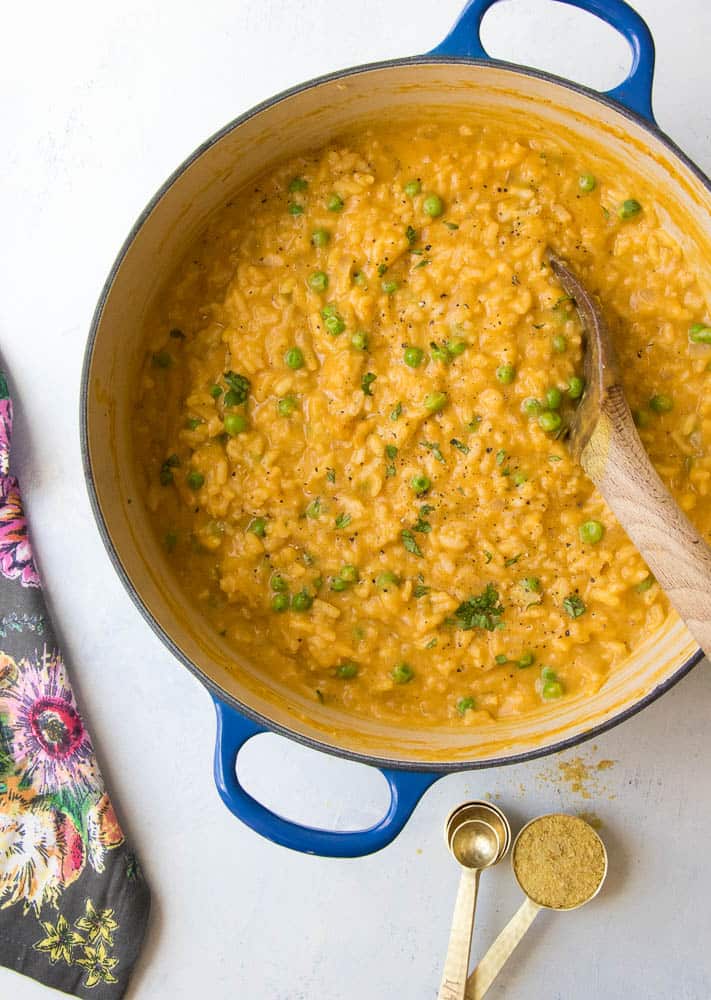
{"type": "Point", "coordinates": [314, 509]}
{"type": "Point", "coordinates": [474, 424]}
{"type": "Point", "coordinates": [459, 445]}
{"type": "Point", "coordinates": [366, 382]}
{"type": "Point", "coordinates": [500, 456]}
{"type": "Point", "coordinates": [396, 411]}
{"type": "Point", "coordinates": [422, 526]}
{"type": "Point", "coordinates": [408, 540]}
{"type": "Point", "coordinates": [420, 591]}
{"type": "Point", "coordinates": [483, 611]}
{"type": "Point", "coordinates": [411, 235]}
{"type": "Point", "coordinates": [343, 520]}
{"type": "Point", "coordinates": [435, 449]}
{"type": "Point", "coordinates": [488, 556]}
{"type": "Point", "coordinates": [512, 560]}
{"type": "Point", "coordinates": [239, 385]}
{"type": "Point", "coordinates": [331, 475]}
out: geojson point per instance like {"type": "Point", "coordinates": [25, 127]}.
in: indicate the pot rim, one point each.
{"type": "Point", "coordinates": [441, 767]}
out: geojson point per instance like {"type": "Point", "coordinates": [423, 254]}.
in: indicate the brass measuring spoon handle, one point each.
{"type": "Point", "coordinates": [456, 966]}
{"type": "Point", "coordinates": [498, 954]}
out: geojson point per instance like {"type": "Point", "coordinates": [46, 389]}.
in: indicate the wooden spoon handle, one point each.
{"type": "Point", "coordinates": [456, 966]}
{"type": "Point", "coordinates": [498, 954]}
{"type": "Point", "coordinates": [673, 549]}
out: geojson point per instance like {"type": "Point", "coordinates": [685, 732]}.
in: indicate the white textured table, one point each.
{"type": "Point", "coordinates": [98, 103]}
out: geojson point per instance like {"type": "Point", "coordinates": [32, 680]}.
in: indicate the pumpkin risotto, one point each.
{"type": "Point", "coordinates": [351, 415]}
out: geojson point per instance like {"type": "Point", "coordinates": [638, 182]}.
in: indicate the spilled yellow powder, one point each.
{"type": "Point", "coordinates": [581, 776]}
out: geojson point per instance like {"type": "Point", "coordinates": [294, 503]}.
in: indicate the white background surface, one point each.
{"type": "Point", "coordinates": [98, 103]}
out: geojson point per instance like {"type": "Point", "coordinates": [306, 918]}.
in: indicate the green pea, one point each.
{"type": "Point", "coordinates": [402, 673]}
{"type": "Point", "coordinates": [587, 183]}
{"type": "Point", "coordinates": [645, 584]}
{"type": "Point", "coordinates": [232, 398]}
{"type": "Point", "coordinates": [642, 418]}
{"type": "Point", "coordinates": [531, 583]}
{"type": "Point", "coordinates": [412, 188]}
{"type": "Point", "coordinates": [435, 401]}
{"type": "Point", "coordinates": [420, 484]}
{"type": "Point", "coordinates": [302, 601]}
{"type": "Point", "coordinates": [347, 671]}
{"type": "Point", "coordinates": [559, 343]}
{"type": "Point", "coordinates": [413, 356]}
{"type": "Point", "coordinates": [465, 704]}
{"type": "Point", "coordinates": [235, 423]}
{"type": "Point", "coordinates": [549, 420]}
{"type": "Point", "coordinates": [531, 406]}
{"type": "Point", "coordinates": [349, 573]}
{"type": "Point", "coordinates": [216, 391]}
{"type": "Point", "coordinates": [629, 209]}
{"type": "Point", "coordinates": [576, 387]}
{"type": "Point", "coordinates": [526, 659]}
{"type": "Point", "coordinates": [661, 404]}
{"type": "Point", "coordinates": [699, 333]}
{"type": "Point", "coordinates": [280, 602]}
{"type": "Point", "coordinates": [318, 281]}
{"type": "Point", "coordinates": [295, 208]}
{"type": "Point", "coordinates": [339, 585]}
{"type": "Point", "coordinates": [506, 374]}
{"type": "Point", "coordinates": [433, 206]}
{"type": "Point", "coordinates": [279, 583]}
{"type": "Point", "coordinates": [548, 674]}
{"type": "Point", "coordinates": [258, 526]}
{"type": "Point", "coordinates": [294, 358]}
{"type": "Point", "coordinates": [457, 347]}
{"type": "Point", "coordinates": [286, 406]}
{"type": "Point", "coordinates": [552, 690]}
{"type": "Point", "coordinates": [387, 579]}
{"type": "Point", "coordinates": [591, 532]}
{"type": "Point", "coordinates": [334, 203]}
{"type": "Point", "coordinates": [195, 480]}
{"type": "Point", "coordinates": [320, 238]}
{"type": "Point", "coordinates": [359, 341]}
{"type": "Point", "coordinates": [389, 287]}
{"type": "Point", "coordinates": [298, 184]}
{"type": "Point", "coordinates": [553, 398]}
{"type": "Point", "coordinates": [332, 320]}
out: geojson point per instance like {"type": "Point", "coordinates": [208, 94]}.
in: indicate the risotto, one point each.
{"type": "Point", "coordinates": [350, 419]}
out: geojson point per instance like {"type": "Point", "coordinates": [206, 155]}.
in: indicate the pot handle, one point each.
{"type": "Point", "coordinates": [406, 789]}
{"type": "Point", "coordinates": [635, 93]}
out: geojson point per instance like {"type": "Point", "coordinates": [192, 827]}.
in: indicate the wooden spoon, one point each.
{"type": "Point", "coordinates": [603, 438]}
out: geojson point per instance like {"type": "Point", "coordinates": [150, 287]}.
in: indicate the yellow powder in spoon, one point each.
{"type": "Point", "coordinates": [559, 861]}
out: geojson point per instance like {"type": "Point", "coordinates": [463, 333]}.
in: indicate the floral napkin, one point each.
{"type": "Point", "coordinates": [73, 901]}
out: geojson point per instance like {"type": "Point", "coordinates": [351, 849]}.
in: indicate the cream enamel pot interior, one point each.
{"type": "Point", "coordinates": [455, 75]}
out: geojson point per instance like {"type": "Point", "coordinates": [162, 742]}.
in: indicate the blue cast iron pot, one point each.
{"type": "Point", "coordinates": [456, 74]}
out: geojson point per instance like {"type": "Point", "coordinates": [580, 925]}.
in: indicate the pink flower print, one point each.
{"type": "Point", "coordinates": [46, 735]}
{"type": "Point", "coordinates": [16, 561]}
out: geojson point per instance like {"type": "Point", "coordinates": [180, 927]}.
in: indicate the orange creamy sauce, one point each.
{"type": "Point", "coordinates": [333, 430]}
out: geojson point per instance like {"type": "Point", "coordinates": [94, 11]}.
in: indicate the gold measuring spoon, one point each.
{"type": "Point", "coordinates": [603, 438]}
{"type": "Point", "coordinates": [478, 835]}
{"type": "Point", "coordinates": [548, 863]}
